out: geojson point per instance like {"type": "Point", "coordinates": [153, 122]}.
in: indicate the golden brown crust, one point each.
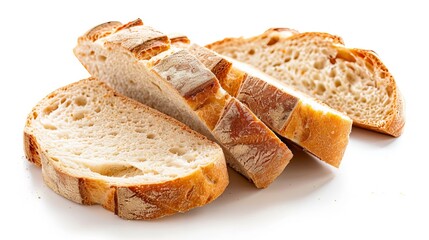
{"type": "Point", "coordinates": [137, 22]}
{"type": "Point", "coordinates": [281, 30]}
{"type": "Point", "coordinates": [274, 32]}
{"type": "Point", "coordinates": [188, 76]}
{"type": "Point", "coordinates": [396, 119]}
{"type": "Point", "coordinates": [60, 181]}
{"type": "Point", "coordinates": [143, 41]}
{"type": "Point", "coordinates": [262, 155]}
{"type": "Point", "coordinates": [190, 191]}
{"type": "Point", "coordinates": [100, 31]}
{"type": "Point", "coordinates": [271, 104]}
{"type": "Point", "coordinates": [31, 149]}
{"type": "Point", "coordinates": [333, 38]}
{"type": "Point", "coordinates": [147, 201]}
{"type": "Point", "coordinates": [218, 65]}
{"type": "Point", "coordinates": [176, 38]}
{"type": "Point", "coordinates": [212, 109]}
{"type": "Point", "coordinates": [214, 45]}
{"type": "Point", "coordinates": [233, 81]}
{"type": "Point", "coordinates": [183, 71]}
{"type": "Point", "coordinates": [397, 124]}
{"type": "Point", "coordinates": [229, 78]}
{"type": "Point", "coordinates": [108, 28]}
{"type": "Point", "coordinates": [324, 134]}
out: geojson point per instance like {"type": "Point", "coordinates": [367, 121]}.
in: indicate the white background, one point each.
{"type": "Point", "coordinates": [380, 190]}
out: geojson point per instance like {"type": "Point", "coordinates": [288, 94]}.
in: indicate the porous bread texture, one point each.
{"type": "Point", "coordinates": [98, 147]}
{"type": "Point", "coordinates": [176, 83]}
{"type": "Point", "coordinates": [353, 81]}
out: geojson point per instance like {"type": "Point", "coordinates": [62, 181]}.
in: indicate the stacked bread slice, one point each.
{"type": "Point", "coordinates": [139, 62]}
{"type": "Point", "coordinates": [96, 146]}
{"type": "Point", "coordinates": [354, 81]}
{"type": "Point", "coordinates": [311, 125]}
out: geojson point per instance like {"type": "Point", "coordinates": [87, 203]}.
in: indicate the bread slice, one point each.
{"type": "Point", "coordinates": [98, 147]}
{"type": "Point", "coordinates": [313, 126]}
{"type": "Point", "coordinates": [354, 81]}
{"type": "Point", "coordinates": [139, 62]}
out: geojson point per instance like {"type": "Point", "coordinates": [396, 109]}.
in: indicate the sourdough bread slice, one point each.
{"type": "Point", "coordinates": [98, 147]}
{"type": "Point", "coordinates": [139, 62]}
{"type": "Point", "coordinates": [354, 81]}
{"type": "Point", "coordinates": [313, 126]}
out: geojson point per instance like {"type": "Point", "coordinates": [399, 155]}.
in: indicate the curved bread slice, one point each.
{"type": "Point", "coordinates": [353, 81]}
{"type": "Point", "coordinates": [176, 83]}
{"type": "Point", "coordinates": [315, 127]}
{"type": "Point", "coordinates": [98, 147]}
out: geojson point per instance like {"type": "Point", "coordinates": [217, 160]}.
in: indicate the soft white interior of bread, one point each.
{"type": "Point", "coordinates": [119, 69]}
{"type": "Point", "coordinates": [89, 133]}
{"type": "Point", "coordinates": [357, 88]}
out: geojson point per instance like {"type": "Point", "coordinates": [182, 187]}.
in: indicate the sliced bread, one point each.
{"type": "Point", "coordinates": [139, 62]}
{"type": "Point", "coordinates": [96, 146]}
{"type": "Point", "coordinates": [353, 81]}
{"type": "Point", "coordinates": [316, 128]}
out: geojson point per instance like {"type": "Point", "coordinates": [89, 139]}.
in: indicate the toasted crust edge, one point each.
{"type": "Point", "coordinates": [243, 142]}
{"type": "Point", "coordinates": [395, 126]}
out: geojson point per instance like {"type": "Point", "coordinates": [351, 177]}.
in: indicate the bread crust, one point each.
{"type": "Point", "coordinates": [395, 125]}
{"type": "Point", "coordinates": [177, 38]}
{"type": "Point", "coordinates": [395, 120]}
{"type": "Point", "coordinates": [31, 149]}
{"type": "Point", "coordinates": [217, 64]}
{"type": "Point", "coordinates": [196, 84]}
{"type": "Point", "coordinates": [326, 138]}
{"type": "Point", "coordinates": [141, 201]}
{"type": "Point", "coordinates": [323, 133]}
{"type": "Point", "coordinates": [271, 104]}
{"type": "Point", "coordinates": [142, 41]}
{"type": "Point", "coordinates": [263, 155]}
{"type": "Point", "coordinates": [137, 22]}
{"type": "Point", "coordinates": [186, 75]}
{"type": "Point", "coordinates": [100, 31]}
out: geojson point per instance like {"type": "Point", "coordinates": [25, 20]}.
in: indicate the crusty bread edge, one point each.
{"type": "Point", "coordinates": [196, 189]}
{"type": "Point", "coordinates": [394, 127]}
{"type": "Point", "coordinates": [291, 33]}
{"type": "Point", "coordinates": [330, 143]}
